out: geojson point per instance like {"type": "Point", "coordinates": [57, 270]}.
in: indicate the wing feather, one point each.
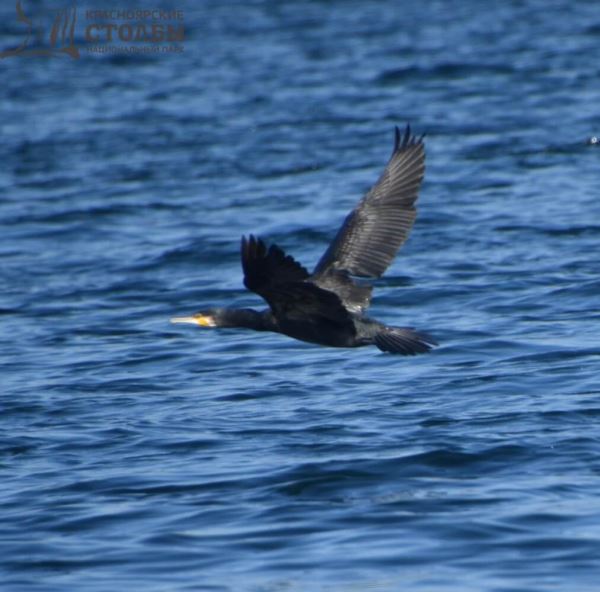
{"type": "Point", "coordinates": [264, 268]}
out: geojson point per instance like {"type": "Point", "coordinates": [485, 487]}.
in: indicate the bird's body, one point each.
{"type": "Point", "coordinates": [328, 306]}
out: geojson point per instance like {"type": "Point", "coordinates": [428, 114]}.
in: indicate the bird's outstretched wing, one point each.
{"type": "Point", "coordinates": [269, 272]}
{"type": "Point", "coordinates": [376, 228]}
{"type": "Point", "coordinates": [266, 268]}
{"type": "Point", "coordinates": [282, 282]}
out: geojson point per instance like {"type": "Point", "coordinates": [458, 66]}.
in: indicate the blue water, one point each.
{"type": "Point", "coordinates": [137, 455]}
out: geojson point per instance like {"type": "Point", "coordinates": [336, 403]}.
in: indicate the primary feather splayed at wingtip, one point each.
{"type": "Point", "coordinates": [261, 265]}
{"type": "Point", "coordinates": [404, 340]}
{"type": "Point", "coordinates": [401, 140]}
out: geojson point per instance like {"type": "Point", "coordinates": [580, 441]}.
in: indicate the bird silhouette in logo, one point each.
{"type": "Point", "coordinates": [59, 40]}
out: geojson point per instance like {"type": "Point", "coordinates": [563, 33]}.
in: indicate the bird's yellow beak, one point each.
{"type": "Point", "coordinates": [198, 319]}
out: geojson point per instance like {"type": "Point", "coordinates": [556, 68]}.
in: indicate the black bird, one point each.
{"type": "Point", "coordinates": [328, 306]}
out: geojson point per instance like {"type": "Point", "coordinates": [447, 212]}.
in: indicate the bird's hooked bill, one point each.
{"type": "Point", "coordinates": [199, 319]}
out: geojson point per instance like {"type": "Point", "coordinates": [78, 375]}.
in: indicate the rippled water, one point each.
{"type": "Point", "coordinates": [143, 456]}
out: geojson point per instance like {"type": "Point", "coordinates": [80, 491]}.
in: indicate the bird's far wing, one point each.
{"type": "Point", "coordinates": [373, 232]}
{"type": "Point", "coordinates": [265, 268]}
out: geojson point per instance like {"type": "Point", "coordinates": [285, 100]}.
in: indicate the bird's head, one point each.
{"type": "Point", "coordinates": [223, 317]}
{"type": "Point", "coordinates": [211, 317]}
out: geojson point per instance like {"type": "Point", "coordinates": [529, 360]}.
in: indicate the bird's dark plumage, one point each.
{"type": "Point", "coordinates": [327, 307]}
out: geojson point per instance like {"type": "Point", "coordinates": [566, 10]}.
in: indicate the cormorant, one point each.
{"type": "Point", "coordinates": [328, 306]}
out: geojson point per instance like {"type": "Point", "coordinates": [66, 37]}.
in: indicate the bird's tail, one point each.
{"type": "Point", "coordinates": [403, 340]}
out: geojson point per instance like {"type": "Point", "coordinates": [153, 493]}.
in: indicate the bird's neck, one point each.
{"type": "Point", "coordinates": [251, 319]}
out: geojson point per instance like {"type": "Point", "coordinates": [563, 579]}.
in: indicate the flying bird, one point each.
{"type": "Point", "coordinates": [328, 306]}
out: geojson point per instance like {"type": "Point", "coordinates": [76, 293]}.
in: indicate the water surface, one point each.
{"type": "Point", "coordinates": [143, 456]}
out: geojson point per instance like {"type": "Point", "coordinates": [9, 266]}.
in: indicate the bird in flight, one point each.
{"type": "Point", "coordinates": [328, 306]}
